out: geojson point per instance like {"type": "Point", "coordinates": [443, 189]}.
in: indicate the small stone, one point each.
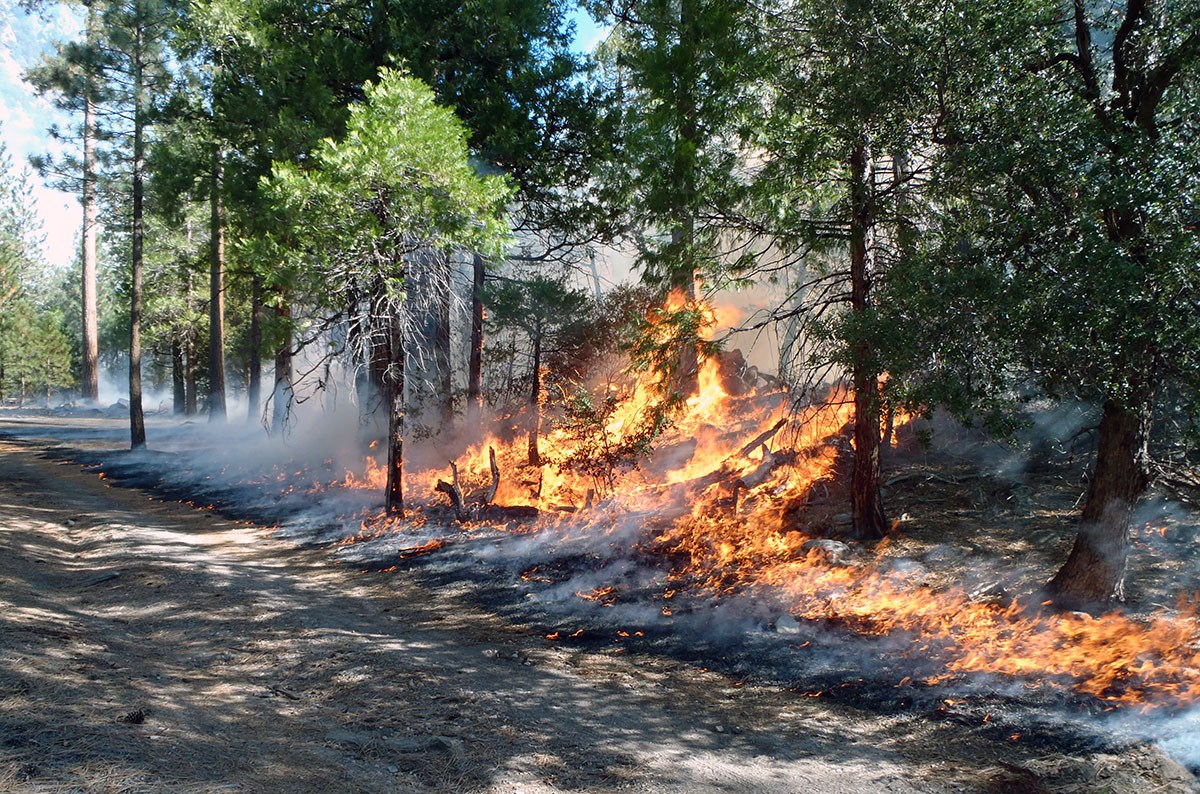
{"type": "Point", "coordinates": [787, 624]}
{"type": "Point", "coordinates": [393, 768]}
{"type": "Point", "coordinates": [833, 552]}
{"type": "Point", "coordinates": [719, 728]}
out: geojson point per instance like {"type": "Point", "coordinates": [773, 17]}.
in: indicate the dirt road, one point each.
{"type": "Point", "coordinates": [148, 646]}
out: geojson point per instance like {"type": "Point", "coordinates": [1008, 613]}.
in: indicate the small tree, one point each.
{"type": "Point", "coordinates": [396, 186]}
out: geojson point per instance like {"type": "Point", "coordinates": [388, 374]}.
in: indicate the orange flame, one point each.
{"type": "Point", "coordinates": [729, 515]}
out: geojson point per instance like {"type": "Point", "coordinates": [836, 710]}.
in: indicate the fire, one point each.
{"type": "Point", "coordinates": [722, 502]}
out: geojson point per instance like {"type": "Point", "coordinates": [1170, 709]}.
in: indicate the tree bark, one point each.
{"type": "Point", "coordinates": [1094, 573]}
{"type": "Point", "coordinates": [137, 422]}
{"type": "Point", "coordinates": [396, 418]}
{"type": "Point", "coordinates": [475, 360]}
{"type": "Point", "coordinates": [281, 395]}
{"type": "Point", "coordinates": [441, 345]}
{"type": "Point", "coordinates": [178, 391]}
{"type": "Point", "coordinates": [216, 295]}
{"type": "Point", "coordinates": [686, 148]}
{"type": "Point", "coordinates": [870, 521]}
{"type": "Point", "coordinates": [535, 393]}
{"type": "Point", "coordinates": [191, 398]}
{"type": "Point", "coordinates": [254, 384]}
{"type": "Point", "coordinates": [90, 348]}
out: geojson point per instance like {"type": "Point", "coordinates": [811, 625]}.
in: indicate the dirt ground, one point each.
{"type": "Point", "coordinates": [148, 646]}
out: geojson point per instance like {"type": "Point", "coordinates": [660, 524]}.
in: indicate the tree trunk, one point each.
{"type": "Point", "coordinates": [380, 351]}
{"type": "Point", "coordinates": [254, 384]}
{"type": "Point", "coordinates": [191, 397]}
{"type": "Point", "coordinates": [870, 522]}
{"type": "Point", "coordinates": [535, 394]}
{"type": "Point", "coordinates": [475, 362]}
{"type": "Point", "coordinates": [137, 422]}
{"type": "Point", "coordinates": [178, 392]}
{"type": "Point", "coordinates": [1094, 573]}
{"type": "Point", "coordinates": [281, 395]}
{"type": "Point", "coordinates": [396, 414]}
{"type": "Point", "coordinates": [441, 345]}
{"type": "Point", "coordinates": [90, 347]}
{"type": "Point", "coordinates": [216, 296]}
{"type": "Point", "coordinates": [686, 148]}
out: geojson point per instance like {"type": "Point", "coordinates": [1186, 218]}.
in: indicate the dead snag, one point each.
{"type": "Point", "coordinates": [454, 491]}
{"type": "Point", "coordinates": [491, 492]}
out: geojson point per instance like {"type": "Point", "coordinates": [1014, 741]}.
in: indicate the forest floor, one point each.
{"type": "Point", "coordinates": [150, 646]}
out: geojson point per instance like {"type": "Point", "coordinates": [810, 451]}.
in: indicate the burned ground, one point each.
{"type": "Point", "coordinates": [155, 646]}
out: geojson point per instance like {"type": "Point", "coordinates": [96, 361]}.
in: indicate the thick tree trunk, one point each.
{"type": "Point", "coordinates": [137, 421]}
{"type": "Point", "coordinates": [216, 295]}
{"type": "Point", "coordinates": [475, 360]}
{"type": "Point", "coordinates": [870, 522]}
{"type": "Point", "coordinates": [254, 384]}
{"type": "Point", "coordinates": [1094, 573]}
{"type": "Point", "coordinates": [394, 380]}
{"type": "Point", "coordinates": [178, 391]}
{"type": "Point", "coordinates": [535, 394]}
{"type": "Point", "coordinates": [281, 395]}
{"type": "Point", "coordinates": [90, 347]}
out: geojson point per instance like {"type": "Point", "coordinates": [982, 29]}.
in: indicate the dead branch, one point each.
{"type": "Point", "coordinates": [762, 438]}
{"type": "Point", "coordinates": [491, 492]}
{"type": "Point", "coordinates": [760, 473]}
{"type": "Point", "coordinates": [454, 491]}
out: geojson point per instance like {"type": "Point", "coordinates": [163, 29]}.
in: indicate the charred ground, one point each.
{"type": "Point", "coordinates": [273, 667]}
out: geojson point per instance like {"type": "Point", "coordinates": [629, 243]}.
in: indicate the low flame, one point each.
{"type": "Point", "coordinates": [724, 499]}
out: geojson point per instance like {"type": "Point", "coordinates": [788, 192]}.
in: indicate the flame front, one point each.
{"type": "Point", "coordinates": [726, 516]}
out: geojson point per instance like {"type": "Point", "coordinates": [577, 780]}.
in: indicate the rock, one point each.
{"type": "Point", "coordinates": [833, 552]}
{"type": "Point", "coordinates": [787, 624]}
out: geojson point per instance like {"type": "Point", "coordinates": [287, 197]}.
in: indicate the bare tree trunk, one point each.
{"type": "Point", "coordinates": [688, 377]}
{"type": "Point", "coordinates": [380, 350]}
{"type": "Point", "coordinates": [535, 394]}
{"type": "Point", "coordinates": [178, 392]}
{"type": "Point", "coordinates": [870, 522]}
{"type": "Point", "coordinates": [396, 418]}
{"type": "Point", "coordinates": [1094, 573]}
{"type": "Point", "coordinates": [216, 295]}
{"type": "Point", "coordinates": [281, 395]}
{"type": "Point", "coordinates": [441, 345]}
{"type": "Point", "coordinates": [254, 385]}
{"type": "Point", "coordinates": [475, 362]}
{"type": "Point", "coordinates": [90, 344]}
{"type": "Point", "coordinates": [191, 396]}
{"type": "Point", "coordinates": [137, 422]}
